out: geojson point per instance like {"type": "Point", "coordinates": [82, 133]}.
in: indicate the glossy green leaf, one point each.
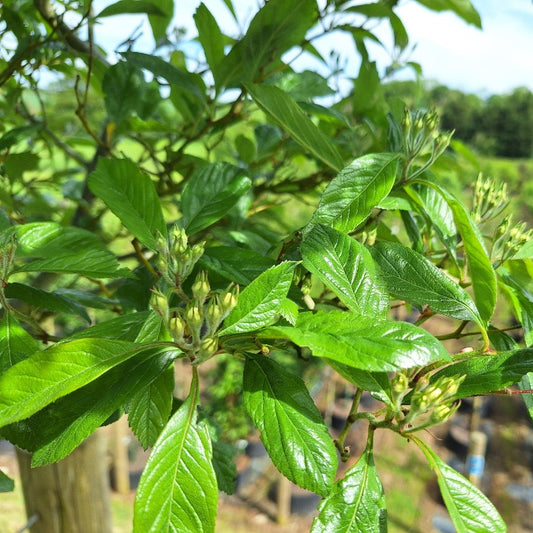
{"type": "Point", "coordinates": [356, 503]}
{"type": "Point", "coordinates": [239, 265]}
{"type": "Point", "coordinates": [288, 114]}
{"type": "Point", "coordinates": [178, 489]}
{"type": "Point", "coordinates": [479, 264]}
{"type": "Point", "coordinates": [362, 342]}
{"type": "Point", "coordinates": [92, 263]}
{"type": "Point", "coordinates": [210, 36]}
{"type": "Point", "coordinates": [16, 344]}
{"type": "Point", "coordinates": [16, 135]}
{"type": "Point", "coordinates": [131, 196]}
{"type": "Point", "coordinates": [346, 267]}
{"type": "Point", "coordinates": [191, 83]}
{"type": "Point", "coordinates": [260, 302]}
{"type": "Point", "coordinates": [413, 278]}
{"type": "Point", "coordinates": [6, 483]}
{"type": "Point", "coordinates": [150, 406]}
{"type": "Point", "coordinates": [224, 465]}
{"type": "Point", "coordinates": [370, 381]}
{"type": "Point", "coordinates": [37, 381]}
{"type": "Point", "coordinates": [292, 428]}
{"type": "Point", "coordinates": [122, 328]}
{"type": "Point", "coordinates": [45, 300]}
{"type": "Point", "coordinates": [55, 431]}
{"type": "Point", "coordinates": [469, 508]}
{"type": "Point", "coordinates": [489, 372]}
{"type": "Point", "coordinates": [462, 8]}
{"type": "Point", "coordinates": [46, 240]}
{"type": "Point", "coordinates": [210, 193]}
{"type": "Point", "coordinates": [438, 213]}
{"type": "Point", "coordinates": [130, 6]}
{"type": "Point", "coordinates": [273, 30]}
{"type": "Point", "coordinates": [350, 197]}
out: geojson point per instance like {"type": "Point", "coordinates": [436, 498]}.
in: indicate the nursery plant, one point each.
{"type": "Point", "coordinates": [215, 199]}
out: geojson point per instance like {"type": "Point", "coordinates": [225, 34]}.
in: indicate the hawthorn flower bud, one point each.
{"type": "Point", "coordinates": [177, 328]}
{"type": "Point", "coordinates": [193, 316]}
{"type": "Point", "coordinates": [208, 347]}
{"type": "Point", "coordinates": [213, 315]}
{"type": "Point", "coordinates": [228, 300]}
{"type": "Point", "coordinates": [180, 241]}
{"type": "Point", "coordinates": [443, 412]}
{"type": "Point", "coordinates": [399, 383]}
{"type": "Point", "coordinates": [159, 303]}
{"type": "Point", "coordinates": [200, 287]}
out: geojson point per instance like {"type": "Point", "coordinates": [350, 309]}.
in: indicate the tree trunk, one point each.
{"type": "Point", "coordinates": [71, 496]}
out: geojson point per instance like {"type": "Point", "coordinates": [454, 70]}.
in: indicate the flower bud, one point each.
{"type": "Point", "coordinates": [208, 347]}
{"type": "Point", "coordinates": [228, 300]}
{"type": "Point", "coordinates": [399, 383]}
{"type": "Point", "coordinates": [200, 287]}
{"type": "Point", "coordinates": [177, 328]}
{"type": "Point", "coordinates": [180, 241]}
{"type": "Point", "coordinates": [443, 412]}
{"type": "Point", "coordinates": [193, 316]}
{"type": "Point", "coordinates": [213, 315]}
{"type": "Point", "coordinates": [159, 303]}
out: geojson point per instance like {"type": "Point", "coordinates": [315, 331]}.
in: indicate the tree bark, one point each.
{"type": "Point", "coordinates": [71, 496]}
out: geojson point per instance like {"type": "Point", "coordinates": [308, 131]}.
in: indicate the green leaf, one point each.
{"type": "Point", "coordinates": [488, 372]}
{"type": "Point", "coordinates": [16, 344]}
{"type": "Point", "coordinates": [6, 483]}
{"type": "Point", "coordinates": [211, 193]}
{"type": "Point", "coordinates": [260, 303]}
{"type": "Point", "coordinates": [356, 503]}
{"type": "Point", "coordinates": [92, 263]}
{"type": "Point", "coordinates": [45, 300]}
{"type": "Point", "coordinates": [130, 6]}
{"type": "Point", "coordinates": [16, 135]}
{"type": "Point", "coordinates": [346, 267]}
{"type": "Point", "coordinates": [210, 36]}
{"type": "Point", "coordinates": [122, 328]}
{"type": "Point", "coordinates": [479, 264]}
{"type": "Point", "coordinates": [362, 342]}
{"type": "Point", "coordinates": [124, 87]}
{"type": "Point", "coordinates": [131, 196]}
{"type": "Point", "coordinates": [47, 375]}
{"type": "Point", "coordinates": [191, 83]}
{"type": "Point", "coordinates": [462, 8]}
{"type": "Point", "coordinates": [369, 381]}
{"type": "Point", "coordinates": [239, 265]}
{"type": "Point", "coordinates": [273, 30]}
{"type": "Point", "coordinates": [469, 508]}
{"type": "Point", "coordinates": [149, 408]}
{"type": "Point", "coordinates": [411, 277]}
{"type": "Point", "coordinates": [159, 23]}
{"type": "Point", "coordinates": [526, 383]}
{"type": "Point", "coordinates": [178, 489]}
{"type": "Point", "coordinates": [292, 428]}
{"type": "Point", "coordinates": [289, 115]}
{"type": "Point", "coordinates": [350, 197]}
{"type": "Point", "coordinates": [224, 465]}
{"type": "Point", "coordinates": [55, 431]}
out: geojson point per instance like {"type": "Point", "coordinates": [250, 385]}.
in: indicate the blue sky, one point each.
{"type": "Point", "coordinates": [493, 60]}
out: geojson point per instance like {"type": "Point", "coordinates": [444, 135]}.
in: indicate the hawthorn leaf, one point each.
{"type": "Point", "coordinates": [210, 36]}
{"type": "Point", "coordinates": [351, 195]}
{"type": "Point", "coordinates": [178, 488]}
{"type": "Point", "coordinates": [362, 342]}
{"type": "Point", "coordinates": [489, 372]}
{"type": "Point", "coordinates": [131, 196]}
{"type": "Point", "coordinates": [469, 508]}
{"type": "Point", "coordinates": [16, 344]}
{"type": "Point", "coordinates": [356, 503]}
{"type": "Point", "coordinates": [47, 375]}
{"type": "Point", "coordinates": [292, 428]}
{"type": "Point", "coordinates": [346, 267]}
{"type": "Point", "coordinates": [526, 383]}
{"type": "Point", "coordinates": [411, 277]}
{"type": "Point", "coordinates": [210, 193]}
{"type": "Point", "coordinates": [56, 430]}
{"type": "Point", "coordinates": [261, 302]}
{"type": "Point", "coordinates": [130, 6]}
{"type": "Point", "coordinates": [284, 110]}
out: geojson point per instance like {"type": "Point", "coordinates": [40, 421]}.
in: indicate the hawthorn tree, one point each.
{"type": "Point", "coordinates": [204, 201]}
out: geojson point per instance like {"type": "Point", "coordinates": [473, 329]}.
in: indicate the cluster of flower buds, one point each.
{"type": "Point", "coordinates": [194, 328]}
{"type": "Point", "coordinates": [509, 239]}
{"type": "Point", "coordinates": [490, 199]}
{"type": "Point", "coordinates": [177, 258]}
{"type": "Point", "coordinates": [431, 403]}
{"type": "Point", "coordinates": [421, 137]}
